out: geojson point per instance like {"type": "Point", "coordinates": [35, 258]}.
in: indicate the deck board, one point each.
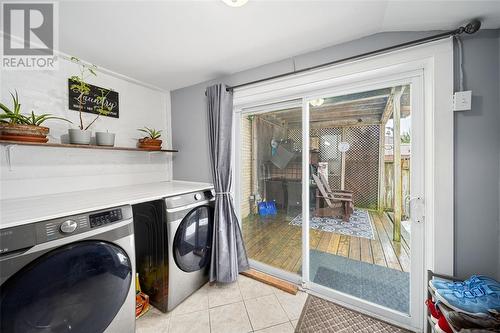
{"type": "Point", "coordinates": [354, 248]}
{"type": "Point", "coordinates": [273, 241]}
{"type": "Point", "coordinates": [366, 251]}
{"type": "Point", "coordinates": [399, 249]}
{"type": "Point", "coordinates": [386, 242]}
{"type": "Point", "coordinates": [376, 245]}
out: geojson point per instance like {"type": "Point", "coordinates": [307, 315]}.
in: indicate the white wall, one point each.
{"type": "Point", "coordinates": [43, 170]}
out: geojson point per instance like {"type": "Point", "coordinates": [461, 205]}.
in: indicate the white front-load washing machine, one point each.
{"type": "Point", "coordinates": [73, 274]}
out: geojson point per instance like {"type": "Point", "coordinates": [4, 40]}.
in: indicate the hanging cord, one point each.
{"type": "Point", "coordinates": [460, 63]}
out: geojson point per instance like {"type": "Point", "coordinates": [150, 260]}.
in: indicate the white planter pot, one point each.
{"type": "Point", "coordinates": [79, 137]}
{"type": "Point", "coordinates": [105, 139]}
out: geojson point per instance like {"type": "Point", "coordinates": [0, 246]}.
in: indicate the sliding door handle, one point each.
{"type": "Point", "coordinates": [416, 204]}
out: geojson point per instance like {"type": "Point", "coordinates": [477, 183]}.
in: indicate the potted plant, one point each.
{"type": "Point", "coordinates": [151, 141]}
{"type": "Point", "coordinates": [81, 135]}
{"type": "Point", "coordinates": [105, 139]}
{"type": "Point", "coordinates": [16, 126]}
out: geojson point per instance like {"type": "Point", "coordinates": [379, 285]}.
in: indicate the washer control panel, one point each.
{"type": "Point", "coordinates": [76, 224]}
{"type": "Point", "coordinates": [57, 228]}
{"type": "Point", "coordinates": [68, 226]}
{"type": "Point", "coordinates": [102, 218]}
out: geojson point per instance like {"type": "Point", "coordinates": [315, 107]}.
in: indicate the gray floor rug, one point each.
{"type": "Point", "coordinates": [377, 284]}
{"type": "Point", "coordinates": [321, 316]}
{"type": "Point", "coordinates": [359, 225]}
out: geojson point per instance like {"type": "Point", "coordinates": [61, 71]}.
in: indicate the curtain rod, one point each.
{"type": "Point", "coordinates": [470, 28]}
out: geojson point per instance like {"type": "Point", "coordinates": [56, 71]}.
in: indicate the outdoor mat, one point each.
{"type": "Point", "coordinates": [377, 284]}
{"type": "Point", "coordinates": [359, 225]}
{"type": "Point", "coordinates": [321, 316]}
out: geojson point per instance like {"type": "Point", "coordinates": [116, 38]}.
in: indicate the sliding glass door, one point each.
{"type": "Point", "coordinates": [329, 186]}
{"type": "Point", "coordinates": [359, 219]}
{"type": "Point", "coordinates": [271, 185]}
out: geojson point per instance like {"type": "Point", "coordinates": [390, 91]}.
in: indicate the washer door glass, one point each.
{"type": "Point", "coordinates": [193, 240]}
{"type": "Point", "coordinates": [76, 288]}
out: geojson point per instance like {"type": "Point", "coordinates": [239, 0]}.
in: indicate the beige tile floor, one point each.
{"type": "Point", "coordinates": [245, 306]}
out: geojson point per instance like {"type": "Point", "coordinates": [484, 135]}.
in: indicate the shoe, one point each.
{"type": "Point", "coordinates": [442, 326]}
{"type": "Point", "coordinates": [465, 321]}
{"type": "Point", "coordinates": [468, 284]}
{"type": "Point", "coordinates": [478, 301]}
{"type": "Point", "coordinates": [434, 312]}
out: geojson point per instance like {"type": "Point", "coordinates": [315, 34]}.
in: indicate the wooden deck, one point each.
{"type": "Point", "coordinates": [274, 242]}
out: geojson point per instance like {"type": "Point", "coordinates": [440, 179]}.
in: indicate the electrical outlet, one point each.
{"type": "Point", "coordinates": [462, 100]}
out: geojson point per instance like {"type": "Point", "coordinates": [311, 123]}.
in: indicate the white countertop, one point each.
{"type": "Point", "coordinates": [19, 211]}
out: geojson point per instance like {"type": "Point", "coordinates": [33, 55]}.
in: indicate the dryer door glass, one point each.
{"type": "Point", "coordinates": [76, 288]}
{"type": "Point", "coordinates": [193, 240]}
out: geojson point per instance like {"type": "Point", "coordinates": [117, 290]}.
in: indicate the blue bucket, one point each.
{"type": "Point", "coordinates": [267, 208]}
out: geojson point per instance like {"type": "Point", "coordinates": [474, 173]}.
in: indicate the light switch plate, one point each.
{"type": "Point", "coordinates": [462, 100]}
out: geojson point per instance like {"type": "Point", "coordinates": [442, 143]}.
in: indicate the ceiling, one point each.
{"type": "Point", "coordinates": [366, 108]}
{"type": "Point", "coordinates": [173, 44]}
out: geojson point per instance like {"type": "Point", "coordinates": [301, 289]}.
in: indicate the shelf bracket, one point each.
{"type": "Point", "coordinates": [9, 152]}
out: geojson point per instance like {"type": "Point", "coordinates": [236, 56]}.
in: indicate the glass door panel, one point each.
{"type": "Point", "coordinates": [359, 234]}
{"type": "Point", "coordinates": [271, 184]}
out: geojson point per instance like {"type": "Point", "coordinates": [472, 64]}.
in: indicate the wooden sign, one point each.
{"type": "Point", "coordinates": [91, 103]}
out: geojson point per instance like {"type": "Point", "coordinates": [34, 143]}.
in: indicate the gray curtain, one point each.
{"type": "Point", "coordinates": [228, 251]}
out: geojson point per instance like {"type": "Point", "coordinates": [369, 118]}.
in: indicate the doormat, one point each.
{"type": "Point", "coordinates": [359, 225]}
{"type": "Point", "coordinates": [381, 285]}
{"type": "Point", "coordinates": [321, 316]}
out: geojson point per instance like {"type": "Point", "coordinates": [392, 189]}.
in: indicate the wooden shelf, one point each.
{"type": "Point", "coordinates": [67, 145]}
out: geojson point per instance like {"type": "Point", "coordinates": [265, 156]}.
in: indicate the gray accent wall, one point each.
{"type": "Point", "coordinates": [477, 154]}
{"type": "Point", "coordinates": [477, 138]}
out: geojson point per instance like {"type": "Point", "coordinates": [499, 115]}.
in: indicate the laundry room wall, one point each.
{"type": "Point", "coordinates": [28, 171]}
{"type": "Point", "coordinates": [476, 217]}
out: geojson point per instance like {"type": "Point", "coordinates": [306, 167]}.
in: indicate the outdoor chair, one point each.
{"type": "Point", "coordinates": [339, 202]}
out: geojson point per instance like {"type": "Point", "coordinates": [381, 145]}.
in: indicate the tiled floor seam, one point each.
{"type": "Point", "coordinates": [209, 320]}
{"type": "Point", "coordinates": [248, 315]}
{"type": "Point", "coordinates": [282, 308]}
{"type": "Point", "coordinates": [276, 325]}
{"type": "Point", "coordinates": [218, 306]}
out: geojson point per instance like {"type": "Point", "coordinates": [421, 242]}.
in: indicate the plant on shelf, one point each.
{"type": "Point", "coordinates": [16, 126]}
{"type": "Point", "coordinates": [151, 141]}
{"type": "Point", "coordinates": [103, 138]}
{"type": "Point", "coordinates": [81, 135]}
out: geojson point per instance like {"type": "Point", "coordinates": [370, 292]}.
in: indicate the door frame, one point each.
{"type": "Point", "coordinates": [417, 271]}
{"type": "Point", "coordinates": [435, 63]}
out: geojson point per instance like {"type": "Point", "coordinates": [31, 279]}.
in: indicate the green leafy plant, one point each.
{"type": "Point", "coordinates": [37, 120]}
{"type": "Point", "coordinates": [14, 115]}
{"type": "Point", "coordinates": [102, 108]}
{"type": "Point", "coordinates": [79, 85]}
{"type": "Point", "coordinates": [151, 132]}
